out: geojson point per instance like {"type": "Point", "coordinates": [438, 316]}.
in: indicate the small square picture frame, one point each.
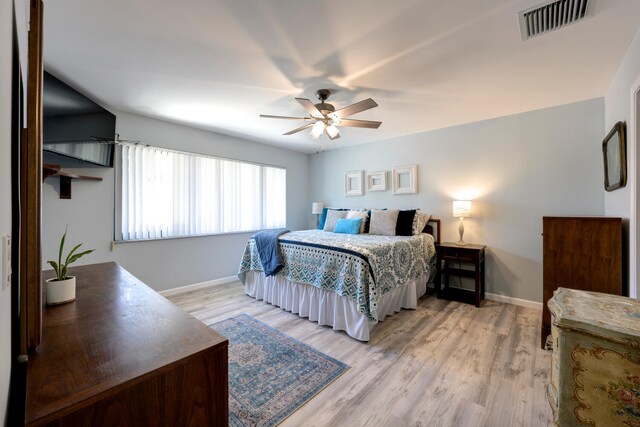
{"type": "Point", "coordinates": [377, 181]}
{"type": "Point", "coordinates": [405, 179]}
{"type": "Point", "coordinates": [353, 183]}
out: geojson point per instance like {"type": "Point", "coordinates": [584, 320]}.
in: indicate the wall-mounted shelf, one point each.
{"type": "Point", "coordinates": [51, 170]}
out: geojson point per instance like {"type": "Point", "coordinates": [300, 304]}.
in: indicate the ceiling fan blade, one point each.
{"type": "Point", "coordinates": [311, 109]}
{"type": "Point", "coordinates": [267, 116]}
{"type": "Point", "coordinates": [301, 128]}
{"type": "Point", "coordinates": [354, 108]}
{"type": "Point", "coordinates": [337, 135]}
{"type": "Point", "coordinates": [359, 123]}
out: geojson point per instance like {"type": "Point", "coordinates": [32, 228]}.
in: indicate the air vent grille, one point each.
{"type": "Point", "coordinates": [551, 16]}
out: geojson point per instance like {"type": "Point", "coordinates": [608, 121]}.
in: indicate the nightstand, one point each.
{"type": "Point", "coordinates": [451, 258]}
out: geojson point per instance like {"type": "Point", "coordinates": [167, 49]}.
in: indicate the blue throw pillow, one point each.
{"type": "Point", "coordinates": [348, 226]}
{"type": "Point", "coordinates": [323, 218]}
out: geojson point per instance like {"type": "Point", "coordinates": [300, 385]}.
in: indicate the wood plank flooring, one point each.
{"type": "Point", "coordinates": [443, 364]}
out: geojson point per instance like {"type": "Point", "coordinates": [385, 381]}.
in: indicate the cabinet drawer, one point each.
{"type": "Point", "coordinates": [462, 256]}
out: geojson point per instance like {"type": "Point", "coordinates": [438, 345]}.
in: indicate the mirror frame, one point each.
{"type": "Point", "coordinates": [615, 136]}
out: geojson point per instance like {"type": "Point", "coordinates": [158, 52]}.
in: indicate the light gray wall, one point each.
{"type": "Point", "coordinates": [618, 108]}
{"type": "Point", "coordinates": [6, 54]}
{"type": "Point", "coordinates": [516, 169]}
{"type": "Point", "coordinates": [6, 17]}
{"type": "Point", "coordinates": [165, 264]}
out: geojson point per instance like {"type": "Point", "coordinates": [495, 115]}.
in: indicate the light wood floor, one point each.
{"type": "Point", "coordinates": [444, 364]}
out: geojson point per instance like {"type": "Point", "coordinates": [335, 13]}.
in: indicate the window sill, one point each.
{"type": "Point", "coordinates": [155, 239]}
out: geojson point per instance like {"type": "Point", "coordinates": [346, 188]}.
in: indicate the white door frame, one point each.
{"type": "Point", "coordinates": [634, 213]}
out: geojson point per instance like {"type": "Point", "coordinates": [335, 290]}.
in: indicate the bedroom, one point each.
{"type": "Point", "coordinates": [519, 157]}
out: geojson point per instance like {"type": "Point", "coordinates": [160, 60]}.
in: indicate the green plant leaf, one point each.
{"type": "Point", "coordinates": [67, 261]}
{"type": "Point", "coordinates": [55, 268]}
{"type": "Point", "coordinates": [79, 255]}
{"type": "Point", "coordinates": [62, 246]}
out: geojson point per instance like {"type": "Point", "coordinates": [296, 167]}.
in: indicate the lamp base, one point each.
{"type": "Point", "coordinates": [461, 231]}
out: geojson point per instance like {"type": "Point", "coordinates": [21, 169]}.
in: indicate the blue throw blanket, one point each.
{"type": "Point", "coordinates": [268, 248]}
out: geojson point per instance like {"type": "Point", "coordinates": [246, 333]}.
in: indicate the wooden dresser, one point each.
{"type": "Point", "coordinates": [580, 253]}
{"type": "Point", "coordinates": [595, 365]}
{"type": "Point", "coordinates": [121, 354]}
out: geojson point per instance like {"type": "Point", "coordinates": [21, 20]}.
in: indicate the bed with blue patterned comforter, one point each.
{"type": "Point", "coordinates": [359, 267]}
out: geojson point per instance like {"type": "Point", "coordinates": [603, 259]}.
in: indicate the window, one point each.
{"type": "Point", "coordinates": [168, 193]}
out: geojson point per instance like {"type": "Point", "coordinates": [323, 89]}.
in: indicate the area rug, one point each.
{"type": "Point", "coordinates": [271, 375]}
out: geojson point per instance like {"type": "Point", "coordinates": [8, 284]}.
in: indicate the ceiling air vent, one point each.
{"type": "Point", "coordinates": [552, 15]}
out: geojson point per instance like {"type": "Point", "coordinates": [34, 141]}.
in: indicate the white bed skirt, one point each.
{"type": "Point", "coordinates": [328, 308]}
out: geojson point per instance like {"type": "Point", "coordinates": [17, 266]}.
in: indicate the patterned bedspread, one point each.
{"type": "Point", "coordinates": [360, 267]}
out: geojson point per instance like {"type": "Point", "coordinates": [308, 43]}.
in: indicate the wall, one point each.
{"type": "Point", "coordinates": [6, 52]}
{"type": "Point", "coordinates": [617, 107]}
{"type": "Point", "coordinates": [516, 169]}
{"type": "Point", "coordinates": [165, 264]}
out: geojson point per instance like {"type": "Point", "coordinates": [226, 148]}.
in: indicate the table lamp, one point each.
{"type": "Point", "coordinates": [461, 209]}
{"type": "Point", "coordinates": [316, 209]}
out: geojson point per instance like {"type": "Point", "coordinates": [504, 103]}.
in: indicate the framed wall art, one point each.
{"type": "Point", "coordinates": [614, 153]}
{"type": "Point", "coordinates": [353, 183]}
{"type": "Point", "coordinates": [405, 179]}
{"type": "Point", "coordinates": [377, 181]}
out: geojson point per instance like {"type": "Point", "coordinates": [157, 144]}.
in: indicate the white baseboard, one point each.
{"type": "Point", "coordinates": [223, 280]}
{"type": "Point", "coordinates": [515, 301]}
{"type": "Point", "coordinates": [196, 286]}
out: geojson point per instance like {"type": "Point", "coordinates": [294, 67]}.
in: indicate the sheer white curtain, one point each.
{"type": "Point", "coordinates": [171, 194]}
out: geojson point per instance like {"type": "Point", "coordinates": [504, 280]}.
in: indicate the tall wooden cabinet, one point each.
{"type": "Point", "coordinates": [580, 253]}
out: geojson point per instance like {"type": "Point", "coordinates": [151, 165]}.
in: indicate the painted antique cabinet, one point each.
{"type": "Point", "coordinates": [595, 365]}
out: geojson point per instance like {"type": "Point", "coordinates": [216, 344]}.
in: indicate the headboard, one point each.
{"type": "Point", "coordinates": [433, 228]}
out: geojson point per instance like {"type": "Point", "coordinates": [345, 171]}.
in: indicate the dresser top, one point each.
{"type": "Point", "coordinates": [605, 315]}
{"type": "Point", "coordinates": [116, 332]}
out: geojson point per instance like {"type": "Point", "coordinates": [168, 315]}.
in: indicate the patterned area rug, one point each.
{"type": "Point", "coordinates": [271, 375]}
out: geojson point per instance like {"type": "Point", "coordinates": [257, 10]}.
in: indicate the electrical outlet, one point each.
{"type": "Point", "coordinates": [6, 262]}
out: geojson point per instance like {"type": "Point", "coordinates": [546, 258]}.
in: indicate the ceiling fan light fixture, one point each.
{"type": "Point", "coordinates": [332, 131]}
{"type": "Point", "coordinates": [324, 118]}
{"type": "Point", "coordinates": [317, 129]}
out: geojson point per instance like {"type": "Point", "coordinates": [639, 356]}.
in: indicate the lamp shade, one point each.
{"type": "Point", "coordinates": [316, 208]}
{"type": "Point", "coordinates": [462, 208]}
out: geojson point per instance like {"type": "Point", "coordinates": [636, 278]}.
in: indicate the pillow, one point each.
{"type": "Point", "coordinates": [367, 222]}
{"type": "Point", "coordinates": [384, 222]}
{"type": "Point", "coordinates": [359, 214]}
{"type": "Point", "coordinates": [323, 218]}
{"type": "Point", "coordinates": [420, 222]}
{"type": "Point", "coordinates": [348, 225]}
{"type": "Point", "coordinates": [333, 217]}
{"type": "Point", "coordinates": [404, 225]}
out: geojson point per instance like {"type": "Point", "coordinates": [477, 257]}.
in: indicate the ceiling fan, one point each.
{"type": "Point", "coordinates": [325, 118]}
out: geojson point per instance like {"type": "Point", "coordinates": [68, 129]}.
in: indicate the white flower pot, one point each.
{"type": "Point", "coordinates": [59, 292]}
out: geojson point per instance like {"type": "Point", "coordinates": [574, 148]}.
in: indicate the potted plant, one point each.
{"type": "Point", "coordinates": [62, 288]}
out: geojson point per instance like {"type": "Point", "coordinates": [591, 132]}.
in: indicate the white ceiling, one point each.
{"type": "Point", "coordinates": [218, 64]}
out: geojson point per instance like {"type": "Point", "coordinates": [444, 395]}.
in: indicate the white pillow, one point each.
{"type": "Point", "coordinates": [332, 219]}
{"type": "Point", "coordinates": [359, 214]}
{"type": "Point", "coordinates": [384, 222]}
{"type": "Point", "coordinates": [419, 222]}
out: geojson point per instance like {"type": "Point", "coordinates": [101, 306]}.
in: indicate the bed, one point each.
{"type": "Point", "coordinates": [348, 282]}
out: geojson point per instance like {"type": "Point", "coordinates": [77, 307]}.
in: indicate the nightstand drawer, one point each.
{"type": "Point", "coordinates": [452, 255]}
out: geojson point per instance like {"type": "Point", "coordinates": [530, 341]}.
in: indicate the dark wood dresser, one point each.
{"type": "Point", "coordinates": [121, 354]}
{"type": "Point", "coordinates": [580, 253]}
